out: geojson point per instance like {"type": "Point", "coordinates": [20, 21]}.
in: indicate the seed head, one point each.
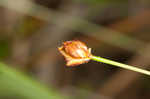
{"type": "Point", "coordinates": [75, 52]}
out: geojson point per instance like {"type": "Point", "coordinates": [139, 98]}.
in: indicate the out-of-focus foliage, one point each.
{"type": "Point", "coordinates": [4, 49]}
{"type": "Point", "coordinates": [101, 2]}
{"type": "Point", "coordinates": [16, 84]}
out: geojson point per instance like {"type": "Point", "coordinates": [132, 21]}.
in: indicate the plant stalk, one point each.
{"type": "Point", "coordinates": [121, 65]}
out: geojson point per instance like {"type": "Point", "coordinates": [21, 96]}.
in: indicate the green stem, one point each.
{"type": "Point", "coordinates": [107, 61]}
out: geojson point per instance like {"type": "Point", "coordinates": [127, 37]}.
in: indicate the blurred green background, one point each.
{"type": "Point", "coordinates": [31, 31]}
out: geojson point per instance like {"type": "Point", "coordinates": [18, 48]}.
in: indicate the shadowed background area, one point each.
{"type": "Point", "coordinates": [32, 30]}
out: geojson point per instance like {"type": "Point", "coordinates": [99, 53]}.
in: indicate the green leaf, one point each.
{"type": "Point", "coordinates": [14, 83]}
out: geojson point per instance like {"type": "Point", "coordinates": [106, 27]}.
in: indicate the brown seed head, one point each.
{"type": "Point", "coordinates": [75, 52]}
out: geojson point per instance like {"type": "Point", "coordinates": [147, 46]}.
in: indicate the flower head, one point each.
{"type": "Point", "coordinates": [75, 52]}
